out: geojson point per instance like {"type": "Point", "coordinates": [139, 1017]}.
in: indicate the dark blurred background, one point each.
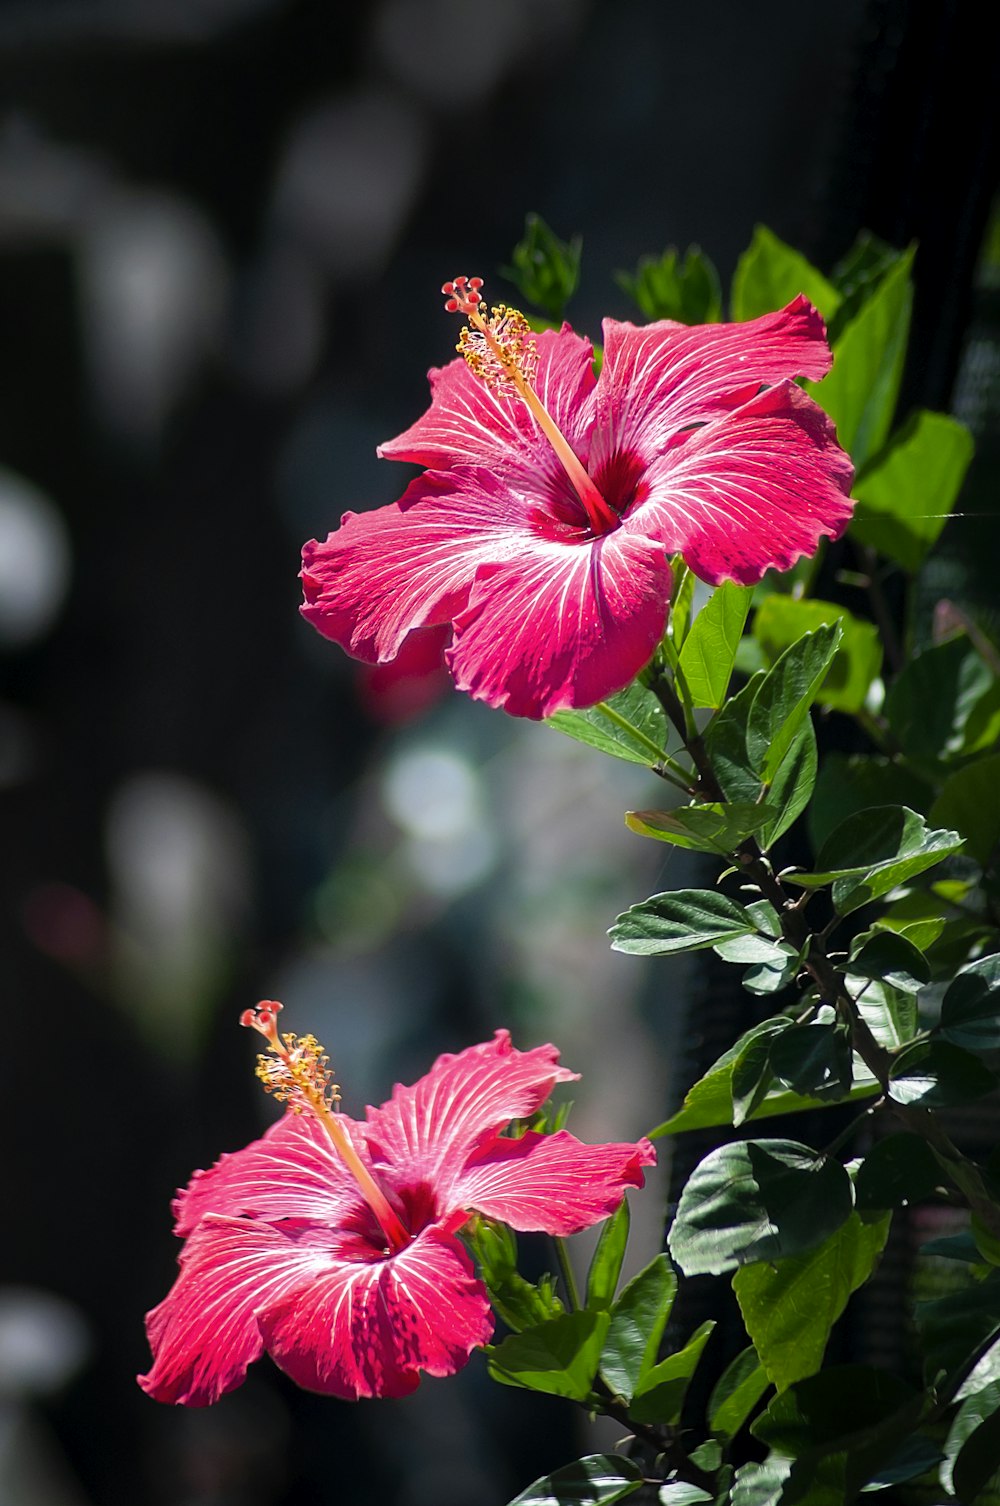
{"type": "Point", "coordinates": [223, 225]}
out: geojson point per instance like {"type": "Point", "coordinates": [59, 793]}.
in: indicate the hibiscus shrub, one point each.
{"type": "Point", "coordinates": [687, 560]}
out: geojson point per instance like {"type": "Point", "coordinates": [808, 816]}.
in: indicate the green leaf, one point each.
{"type": "Point", "coordinates": [929, 706]}
{"type": "Point", "coordinates": [972, 1448]}
{"type": "Point", "coordinates": [904, 496]}
{"type": "Point", "coordinates": [955, 1329]}
{"type": "Point", "coordinates": [757, 1200]}
{"type": "Point", "coordinates": [770, 274]}
{"type": "Point", "coordinates": [874, 851]}
{"type": "Point", "coordinates": [631, 725]}
{"type": "Point", "coordinates": [970, 802]}
{"type": "Point", "coordinates": [606, 1265]}
{"type": "Point", "coordinates": [726, 739]}
{"type": "Point", "coordinates": [861, 391]}
{"type": "Point", "coordinates": [709, 651]}
{"type": "Point", "coordinates": [717, 828]}
{"type": "Point", "coordinates": [660, 1394]}
{"type": "Point", "coordinates": [884, 955]}
{"type": "Point", "coordinates": [545, 270]}
{"type": "Point", "coordinates": [681, 602]}
{"type": "Point", "coordinates": [597, 1480]}
{"type": "Point", "coordinates": [680, 1493]}
{"type": "Point", "coordinates": [858, 274]}
{"type": "Point", "coordinates": [763, 1484]}
{"type": "Point", "coordinates": [789, 1306]}
{"type": "Point", "coordinates": [837, 1429]}
{"type": "Point", "coordinates": [784, 696]}
{"type": "Point", "coordinates": [912, 1459]}
{"type": "Point", "coordinates": [970, 1009]}
{"type": "Point", "coordinates": [709, 1103]}
{"type": "Point", "coordinates": [751, 1072]}
{"type": "Point", "coordinates": [667, 287]}
{"type": "Point", "coordinates": [520, 1303]}
{"type": "Point", "coordinates": [638, 1319]}
{"type": "Point", "coordinates": [559, 1357]}
{"type": "Point", "coordinates": [855, 783]}
{"type": "Point", "coordinates": [781, 620]}
{"type": "Point", "coordinates": [935, 1074]}
{"type": "Point", "coordinates": [890, 1014]}
{"type": "Point", "coordinates": [736, 1393]}
{"type": "Point", "coordinates": [684, 920]}
{"type": "Point", "coordinates": [898, 1170]}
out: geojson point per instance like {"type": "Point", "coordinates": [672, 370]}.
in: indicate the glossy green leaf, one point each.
{"type": "Point", "coordinates": [770, 274]}
{"type": "Point", "coordinates": [780, 620]}
{"type": "Point", "coordinates": [970, 1009]}
{"type": "Point", "coordinates": [858, 274]}
{"type": "Point", "coordinates": [899, 1170]}
{"type": "Point", "coordinates": [606, 1264]}
{"type": "Point", "coordinates": [789, 1306]}
{"type": "Point", "coordinates": [856, 1410]}
{"type": "Point", "coordinates": [660, 1394]}
{"type": "Point", "coordinates": [680, 1493]}
{"type": "Point", "coordinates": [785, 695]}
{"type": "Point", "coordinates": [709, 1103]}
{"type": "Point", "coordinates": [874, 851]}
{"type": "Point", "coordinates": [751, 1074]}
{"type": "Point", "coordinates": [544, 269]}
{"type": "Point", "coordinates": [559, 1357]}
{"type": "Point", "coordinates": [972, 1448]}
{"type": "Point", "coordinates": [847, 784]}
{"type": "Point", "coordinates": [638, 1319]}
{"type": "Point", "coordinates": [597, 1480]}
{"type": "Point", "coordinates": [861, 391]}
{"type": "Point", "coordinates": [914, 1457]}
{"type": "Point", "coordinates": [736, 1393]}
{"type": "Point", "coordinates": [905, 495]}
{"type": "Point", "coordinates": [681, 602]}
{"type": "Point", "coordinates": [708, 654]}
{"type": "Point", "coordinates": [891, 1014]}
{"type": "Point", "coordinates": [631, 725]}
{"type": "Point", "coordinates": [718, 828]}
{"type": "Point", "coordinates": [757, 1200]}
{"type": "Point", "coordinates": [737, 771]}
{"type": "Point", "coordinates": [970, 802]}
{"type": "Point", "coordinates": [671, 287]}
{"type": "Point", "coordinates": [889, 957]}
{"type": "Point", "coordinates": [934, 1074]}
{"type": "Point", "coordinates": [683, 920]}
{"type": "Point", "coordinates": [520, 1303]}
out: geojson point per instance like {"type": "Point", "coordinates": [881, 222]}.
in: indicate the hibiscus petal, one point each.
{"type": "Point", "coordinates": [562, 624]}
{"type": "Point", "coordinates": [369, 1329]}
{"type": "Point", "coordinates": [205, 1332]}
{"type": "Point", "coordinates": [752, 492]}
{"type": "Point", "coordinates": [468, 424]}
{"type": "Point", "coordinates": [661, 378]}
{"type": "Point", "coordinates": [428, 1131]}
{"type": "Point", "coordinates": [291, 1172]}
{"type": "Point", "coordinates": [385, 573]}
{"type": "Point", "coordinates": [552, 1183]}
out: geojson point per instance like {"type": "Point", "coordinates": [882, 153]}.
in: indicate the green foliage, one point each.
{"type": "Point", "coordinates": [709, 650]}
{"type": "Point", "coordinates": [789, 1306]}
{"type": "Point", "coordinates": [597, 1480]}
{"type": "Point", "coordinates": [781, 620]}
{"type": "Point", "coordinates": [905, 495]}
{"type": "Point", "coordinates": [770, 274]}
{"type": "Point", "coordinates": [638, 1319]}
{"type": "Point", "coordinates": [660, 1393]}
{"type": "Point", "coordinates": [559, 1356]}
{"type": "Point", "coordinates": [717, 828]}
{"type": "Point", "coordinates": [684, 920]}
{"type": "Point", "coordinates": [735, 1394]}
{"type": "Point", "coordinates": [544, 269]}
{"type": "Point", "coordinates": [757, 1200]}
{"type": "Point", "coordinates": [944, 705]}
{"type": "Point", "coordinates": [875, 851]}
{"type": "Point", "coordinates": [606, 1265]}
{"type": "Point", "coordinates": [970, 1009]}
{"type": "Point", "coordinates": [671, 287]}
{"type": "Point", "coordinates": [631, 725]}
{"type": "Point", "coordinates": [861, 391]}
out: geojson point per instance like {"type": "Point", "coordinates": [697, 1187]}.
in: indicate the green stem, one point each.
{"type": "Point", "coordinates": [566, 1271]}
{"type": "Point", "coordinates": [684, 695]}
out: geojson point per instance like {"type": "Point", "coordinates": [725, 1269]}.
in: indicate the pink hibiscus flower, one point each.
{"type": "Point", "coordinates": [332, 1244]}
{"type": "Point", "coordinates": [543, 528]}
